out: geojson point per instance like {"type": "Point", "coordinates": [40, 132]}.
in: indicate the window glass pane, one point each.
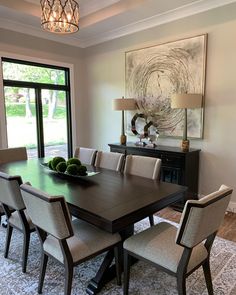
{"type": "Point", "coordinates": [28, 73]}
{"type": "Point", "coordinates": [21, 119]}
{"type": "Point", "coordinates": [54, 123]}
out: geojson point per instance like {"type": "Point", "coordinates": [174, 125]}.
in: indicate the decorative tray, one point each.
{"type": "Point", "coordinates": [69, 176]}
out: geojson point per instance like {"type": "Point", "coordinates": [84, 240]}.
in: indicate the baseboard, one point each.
{"type": "Point", "coordinates": [232, 207]}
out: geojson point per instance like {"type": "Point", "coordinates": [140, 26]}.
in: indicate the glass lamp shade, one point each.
{"type": "Point", "coordinates": [60, 16]}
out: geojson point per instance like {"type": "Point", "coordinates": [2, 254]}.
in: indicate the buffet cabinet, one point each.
{"type": "Point", "coordinates": [177, 166]}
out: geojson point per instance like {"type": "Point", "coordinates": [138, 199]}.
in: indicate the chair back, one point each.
{"type": "Point", "coordinates": [109, 160]}
{"type": "Point", "coordinates": [49, 213]}
{"type": "Point", "coordinates": [86, 155]}
{"type": "Point", "coordinates": [13, 154]}
{"type": "Point", "coordinates": [203, 217]}
{"type": "Point", "coordinates": [10, 194]}
{"type": "Point", "coordinates": [143, 166]}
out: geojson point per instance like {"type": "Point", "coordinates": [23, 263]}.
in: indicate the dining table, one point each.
{"type": "Point", "coordinates": [108, 199]}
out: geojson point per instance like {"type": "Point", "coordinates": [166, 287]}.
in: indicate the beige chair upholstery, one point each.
{"type": "Point", "coordinates": [109, 160]}
{"type": "Point", "coordinates": [11, 199]}
{"type": "Point", "coordinates": [198, 214]}
{"type": "Point", "coordinates": [12, 155]}
{"type": "Point", "coordinates": [181, 251]}
{"type": "Point", "coordinates": [143, 166]}
{"type": "Point", "coordinates": [147, 167]}
{"type": "Point", "coordinates": [68, 242]}
{"type": "Point", "coordinates": [86, 155]}
{"type": "Point", "coordinates": [156, 245]}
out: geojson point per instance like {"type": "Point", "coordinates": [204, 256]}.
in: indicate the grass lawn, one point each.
{"type": "Point", "coordinates": [18, 110]}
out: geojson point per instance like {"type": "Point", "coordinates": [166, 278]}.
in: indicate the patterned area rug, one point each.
{"type": "Point", "coordinates": [145, 280]}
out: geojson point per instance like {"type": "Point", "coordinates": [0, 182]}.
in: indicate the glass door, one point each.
{"type": "Point", "coordinates": [54, 122]}
{"type": "Point", "coordinates": [37, 105]}
{"type": "Point", "coordinates": [21, 120]}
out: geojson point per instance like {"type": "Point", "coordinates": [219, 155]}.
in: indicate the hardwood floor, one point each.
{"type": "Point", "coordinates": [226, 231]}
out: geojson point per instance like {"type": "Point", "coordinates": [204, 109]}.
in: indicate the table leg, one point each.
{"type": "Point", "coordinates": [107, 272]}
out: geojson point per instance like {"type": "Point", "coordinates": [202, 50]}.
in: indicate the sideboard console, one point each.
{"type": "Point", "coordinates": [177, 166]}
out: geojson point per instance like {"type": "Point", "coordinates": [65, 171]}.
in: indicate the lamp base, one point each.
{"type": "Point", "coordinates": [185, 145]}
{"type": "Point", "coordinates": [123, 139]}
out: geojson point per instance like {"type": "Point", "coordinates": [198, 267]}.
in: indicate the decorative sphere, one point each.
{"type": "Point", "coordinates": [50, 165]}
{"type": "Point", "coordinates": [61, 167]}
{"type": "Point", "coordinates": [82, 170]}
{"type": "Point", "coordinates": [74, 161]}
{"type": "Point", "coordinates": [56, 161]}
{"type": "Point", "coordinates": [72, 169]}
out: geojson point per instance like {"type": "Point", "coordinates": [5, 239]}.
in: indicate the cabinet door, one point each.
{"type": "Point", "coordinates": [171, 174]}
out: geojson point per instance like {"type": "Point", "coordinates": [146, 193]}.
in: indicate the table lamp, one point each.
{"type": "Point", "coordinates": [186, 101]}
{"type": "Point", "coordinates": [123, 104]}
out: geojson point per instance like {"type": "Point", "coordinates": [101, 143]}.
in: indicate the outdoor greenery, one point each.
{"type": "Point", "coordinates": [20, 106]}
{"type": "Point", "coordinates": [21, 72]}
{"type": "Point", "coordinates": [18, 110]}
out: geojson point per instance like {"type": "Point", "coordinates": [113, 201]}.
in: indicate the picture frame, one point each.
{"type": "Point", "coordinates": [153, 74]}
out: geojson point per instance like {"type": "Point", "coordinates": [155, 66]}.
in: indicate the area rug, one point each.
{"type": "Point", "coordinates": [145, 280]}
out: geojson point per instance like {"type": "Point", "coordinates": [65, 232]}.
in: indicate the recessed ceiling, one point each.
{"type": "Point", "coordinates": [103, 20]}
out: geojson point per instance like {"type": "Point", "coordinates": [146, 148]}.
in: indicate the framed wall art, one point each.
{"type": "Point", "coordinates": [153, 74]}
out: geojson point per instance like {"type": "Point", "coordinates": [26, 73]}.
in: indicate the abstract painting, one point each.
{"type": "Point", "coordinates": [153, 74]}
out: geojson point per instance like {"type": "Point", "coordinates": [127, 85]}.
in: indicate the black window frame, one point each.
{"type": "Point", "coordinates": [38, 99]}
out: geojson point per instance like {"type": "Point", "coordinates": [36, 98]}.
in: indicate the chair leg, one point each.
{"type": "Point", "coordinates": [181, 284]}
{"type": "Point", "coordinates": [25, 251]}
{"type": "Point", "coordinates": [117, 254]}
{"type": "Point", "coordinates": [43, 266]}
{"type": "Point", "coordinates": [207, 274]}
{"type": "Point", "coordinates": [126, 272]}
{"type": "Point", "coordinates": [151, 220]}
{"type": "Point", "coordinates": [8, 240]}
{"type": "Point", "coordinates": [69, 277]}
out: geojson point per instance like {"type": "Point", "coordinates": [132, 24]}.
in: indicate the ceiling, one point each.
{"type": "Point", "coordinates": [103, 20]}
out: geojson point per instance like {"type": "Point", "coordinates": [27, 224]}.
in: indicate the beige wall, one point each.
{"type": "Point", "coordinates": [105, 70]}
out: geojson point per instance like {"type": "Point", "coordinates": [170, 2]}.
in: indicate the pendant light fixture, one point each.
{"type": "Point", "coordinates": [60, 16]}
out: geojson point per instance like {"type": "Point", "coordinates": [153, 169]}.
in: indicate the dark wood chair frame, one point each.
{"type": "Point", "coordinates": [25, 228]}
{"type": "Point", "coordinates": [182, 272]}
{"type": "Point", "coordinates": [68, 260]}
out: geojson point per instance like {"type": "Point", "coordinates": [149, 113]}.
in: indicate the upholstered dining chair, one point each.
{"type": "Point", "coordinates": [10, 198]}
{"type": "Point", "coordinates": [86, 155]}
{"type": "Point", "coordinates": [13, 154]}
{"type": "Point", "coordinates": [145, 167]}
{"type": "Point", "coordinates": [109, 160]}
{"type": "Point", "coordinates": [180, 252]}
{"type": "Point", "coordinates": [70, 243]}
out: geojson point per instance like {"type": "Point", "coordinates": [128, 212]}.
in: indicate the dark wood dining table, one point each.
{"type": "Point", "coordinates": [109, 200]}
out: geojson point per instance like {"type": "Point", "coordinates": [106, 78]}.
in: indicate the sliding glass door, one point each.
{"type": "Point", "coordinates": [37, 105]}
